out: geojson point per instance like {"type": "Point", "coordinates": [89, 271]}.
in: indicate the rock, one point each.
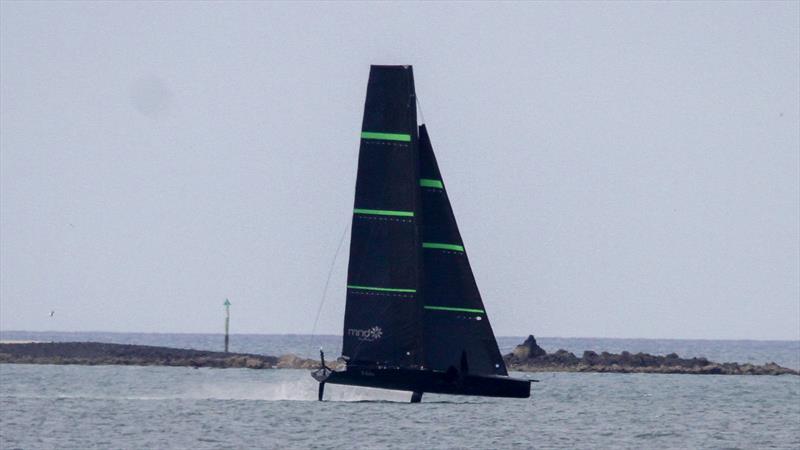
{"type": "Point", "coordinates": [565, 358]}
{"type": "Point", "coordinates": [529, 357]}
{"type": "Point", "coordinates": [253, 363]}
{"type": "Point", "coordinates": [290, 362]}
{"type": "Point", "coordinates": [528, 349]}
{"type": "Point", "coordinates": [590, 358]}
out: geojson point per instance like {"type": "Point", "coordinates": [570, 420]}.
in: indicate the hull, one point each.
{"type": "Point", "coordinates": [429, 381]}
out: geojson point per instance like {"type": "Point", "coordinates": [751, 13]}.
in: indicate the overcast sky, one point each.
{"type": "Point", "coordinates": [617, 170]}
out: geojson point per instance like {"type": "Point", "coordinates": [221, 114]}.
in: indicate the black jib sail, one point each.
{"type": "Point", "coordinates": [455, 320]}
{"type": "Point", "coordinates": [414, 318]}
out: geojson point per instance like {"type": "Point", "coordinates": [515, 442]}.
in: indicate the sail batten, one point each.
{"type": "Point", "coordinates": [382, 289]}
{"type": "Point", "coordinates": [449, 308]}
{"type": "Point", "coordinates": [442, 246]}
{"type": "Point", "coordinates": [383, 212]}
{"type": "Point", "coordinates": [428, 183]}
{"type": "Point", "coordinates": [386, 136]}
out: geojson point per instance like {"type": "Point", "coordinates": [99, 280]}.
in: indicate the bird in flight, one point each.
{"type": "Point", "coordinates": [52, 313]}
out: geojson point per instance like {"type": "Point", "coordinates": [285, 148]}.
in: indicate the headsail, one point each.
{"type": "Point", "coordinates": [383, 311]}
{"type": "Point", "coordinates": [456, 327]}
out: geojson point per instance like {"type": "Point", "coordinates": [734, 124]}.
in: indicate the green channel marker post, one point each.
{"type": "Point", "coordinates": [227, 321]}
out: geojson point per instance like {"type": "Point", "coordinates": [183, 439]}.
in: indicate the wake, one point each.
{"type": "Point", "coordinates": [294, 390]}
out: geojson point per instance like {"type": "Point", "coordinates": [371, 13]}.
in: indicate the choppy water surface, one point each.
{"type": "Point", "coordinates": [163, 407]}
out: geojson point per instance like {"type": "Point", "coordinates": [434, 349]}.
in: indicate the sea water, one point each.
{"type": "Point", "coordinates": [47, 406]}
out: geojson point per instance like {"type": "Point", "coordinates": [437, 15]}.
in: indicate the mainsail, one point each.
{"type": "Point", "coordinates": [383, 312]}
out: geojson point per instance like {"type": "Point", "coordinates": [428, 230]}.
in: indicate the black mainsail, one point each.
{"type": "Point", "coordinates": [414, 318]}
{"type": "Point", "coordinates": [383, 288]}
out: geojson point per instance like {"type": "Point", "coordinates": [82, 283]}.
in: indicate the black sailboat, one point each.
{"type": "Point", "coordinates": [414, 318]}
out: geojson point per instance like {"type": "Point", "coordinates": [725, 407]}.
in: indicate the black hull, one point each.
{"type": "Point", "coordinates": [430, 381]}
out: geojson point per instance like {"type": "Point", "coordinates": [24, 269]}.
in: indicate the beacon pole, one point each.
{"type": "Point", "coordinates": [227, 321]}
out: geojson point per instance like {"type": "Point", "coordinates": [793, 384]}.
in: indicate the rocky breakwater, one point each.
{"type": "Point", "coordinates": [97, 353]}
{"type": "Point", "coordinates": [529, 357]}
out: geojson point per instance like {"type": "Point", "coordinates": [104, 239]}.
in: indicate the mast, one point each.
{"type": "Point", "coordinates": [383, 311]}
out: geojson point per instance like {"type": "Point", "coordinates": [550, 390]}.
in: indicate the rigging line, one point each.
{"type": "Point", "coordinates": [327, 282]}
{"type": "Point", "coordinates": [419, 107]}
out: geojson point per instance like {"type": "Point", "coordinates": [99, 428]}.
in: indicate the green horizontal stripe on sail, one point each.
{"type": "Point", "coordinates": [381, 289]}
{"type": "Point", "coordinates": [383, 212]}
{"type": "Point", "coordinates": [437, 245]}
{"type": "Point", "coordinates": [426, 182]}
{"type": "Point", "coordinates": [447, 308]}
{"type": "Point", "coordinates": [386, 136]}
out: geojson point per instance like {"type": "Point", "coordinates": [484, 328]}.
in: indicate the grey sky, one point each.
{"type": "Point", "coordinates": [617, 170]}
